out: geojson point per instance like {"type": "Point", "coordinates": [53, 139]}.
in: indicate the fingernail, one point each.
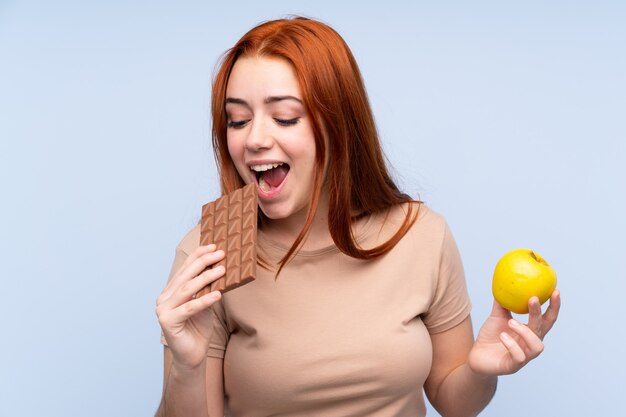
{"type": "Point", "coordinates": [514, 322]}
{"type": "Point", "coordinates": [219, 269]}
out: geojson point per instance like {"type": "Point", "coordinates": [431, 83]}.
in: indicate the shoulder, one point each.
{"type": "Point", "coordinates": [185, 247]}
{"type": "Point", "coordinates": [190, 241]}
{"type": "Point", "coordinates": [430, 222]}
{"type": "Point", "coordinates": [430, 229]}
{"type": "Point", "coordinates": [427, 228]}
{"type": "Point", "coordinates": [427, 223]}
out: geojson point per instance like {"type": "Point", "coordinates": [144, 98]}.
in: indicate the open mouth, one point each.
{"type": "Point", "coordinates": [270, 176]}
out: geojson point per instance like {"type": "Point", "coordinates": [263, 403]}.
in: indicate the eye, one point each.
{"type": "Point", "coordinates": [236, 124]}
{"type": "Point", "coordinates": [287, 122]}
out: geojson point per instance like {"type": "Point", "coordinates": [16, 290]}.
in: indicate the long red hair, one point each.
{"type": "Point", "coordinates": [334, 95]}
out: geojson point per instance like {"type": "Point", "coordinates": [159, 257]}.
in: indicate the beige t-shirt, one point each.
{"type": "Point", "coordinates": [336, 336]}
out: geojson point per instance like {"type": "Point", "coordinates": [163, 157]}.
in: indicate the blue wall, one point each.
{"type": "Point", "coordinates": [506, 117]}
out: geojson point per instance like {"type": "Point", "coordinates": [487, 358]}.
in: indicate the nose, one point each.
{"type": "Point", "coordinates": [259, 137]}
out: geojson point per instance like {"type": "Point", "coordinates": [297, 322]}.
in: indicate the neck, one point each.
{"type": "Point", "coordinates": [285, 231]}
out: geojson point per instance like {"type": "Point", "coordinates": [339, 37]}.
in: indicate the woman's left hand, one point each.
{"type": "Point", "coordinates": [504, 345]}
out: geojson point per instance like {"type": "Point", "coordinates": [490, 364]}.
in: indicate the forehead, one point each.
{"type": "Point", "coordinates": [262, 77]}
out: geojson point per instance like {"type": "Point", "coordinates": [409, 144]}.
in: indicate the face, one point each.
{"type": "Point", "coordinates": [269, 135]}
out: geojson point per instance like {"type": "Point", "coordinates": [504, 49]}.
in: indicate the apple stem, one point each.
{"type": "Point", "coordinates": [538, 258]}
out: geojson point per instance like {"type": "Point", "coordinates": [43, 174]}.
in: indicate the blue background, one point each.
{"type": "Point", "coordinates": [506, 117]}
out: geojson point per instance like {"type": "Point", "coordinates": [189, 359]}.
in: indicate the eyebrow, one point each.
{"type": "Point", "coordinates": [275, 99]}
{"type": "Point", "coordinates": [268, 100]}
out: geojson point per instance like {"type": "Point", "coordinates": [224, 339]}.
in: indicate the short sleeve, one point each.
{"type": "Point", "coordinates": [219, 333]}
{"type": "Point", "coordinates": [451, 303]}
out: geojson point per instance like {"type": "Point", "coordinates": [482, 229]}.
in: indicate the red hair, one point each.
{"type": "Point", "coordinates": [334, 95]}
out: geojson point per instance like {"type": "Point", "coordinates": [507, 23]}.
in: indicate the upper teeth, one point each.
{"type": "Point", "coordinates": [264, 167]}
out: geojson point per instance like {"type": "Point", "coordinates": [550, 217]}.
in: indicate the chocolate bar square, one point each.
{"type": "Point", "coordinates": [231, 223]}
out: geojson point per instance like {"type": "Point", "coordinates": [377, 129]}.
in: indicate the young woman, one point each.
{"type": "Point", "coordinates": [363, 306]}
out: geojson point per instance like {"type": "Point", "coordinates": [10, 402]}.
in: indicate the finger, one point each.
{"type": "Point", "coordinates": [199, 265]}
{"type": "Point", "coordinates": [552, 313]}
{"type": "Point", "coordinates": [186, 293]}
{"type": "Point", "coordinates": [498, 311]}
{"type": "Point", "coordinates": [189, 289]}
{"type": "Point", "coordinates": [518, 357]}
{"type": "Point", "coordinates": [197, 253]}
{"type": "Point", "coordinates": [535, 321]}
{"type": "Point", "coordinates": [192, 307]}
{"type": "Point", "coordinates": [531, 340]}
{"type": "Point", "coordinates": [190, 271]}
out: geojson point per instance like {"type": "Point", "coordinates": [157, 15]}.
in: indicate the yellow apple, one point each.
{"type": "Point", "coordinates": [520, 275]}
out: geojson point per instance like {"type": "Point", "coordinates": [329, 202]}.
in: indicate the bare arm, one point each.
{"type": "Point", "coordinates": [463, 376]}
{"type": "Point", "coordinates": [452, 387]}
{"type": "Point", "coordinates": [192, 382]}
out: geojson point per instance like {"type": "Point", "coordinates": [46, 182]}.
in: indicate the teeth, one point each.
{"type": "Point", "coordinates": [264, 186]}
{"type": "Point", "coordinates": [264, 167]}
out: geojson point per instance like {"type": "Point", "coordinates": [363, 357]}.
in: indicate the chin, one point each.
{"type": "Point", "coordinates": [275, 214]}
{"type": "Point", "coordinates": [282, 213]}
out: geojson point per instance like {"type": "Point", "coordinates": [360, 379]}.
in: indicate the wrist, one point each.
{"type": "Point", "coordinates": [477, 375]}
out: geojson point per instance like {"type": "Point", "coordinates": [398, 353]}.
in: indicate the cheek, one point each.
{"type": "Point", "coordinates": [235, 148]}
{"type": "Point", "coordinates": [302, 144]}
{"type": "Point", "coordinates": [236, 151]}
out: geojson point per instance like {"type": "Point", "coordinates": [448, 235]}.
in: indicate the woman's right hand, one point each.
{"type": "Point", "coordinates": [184, 319]}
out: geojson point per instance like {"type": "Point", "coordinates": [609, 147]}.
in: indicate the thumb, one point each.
{"type": "Point", "coordinates": [499, 311]}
